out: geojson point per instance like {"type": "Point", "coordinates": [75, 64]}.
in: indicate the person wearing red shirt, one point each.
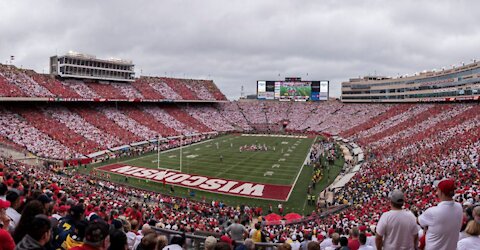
{"type": "Point", "coordinates": [6, 240]}
{"type": "Point", "coordinates": [353, 242]}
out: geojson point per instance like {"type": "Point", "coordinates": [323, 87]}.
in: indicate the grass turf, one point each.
{"type": "Point", "coordinates": [226, 161]}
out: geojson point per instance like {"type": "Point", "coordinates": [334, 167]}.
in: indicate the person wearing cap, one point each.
{"type": "Point", "coordinates": [95, 236]}
{"type": "Point", "coordinates": [67, 227]}
{"type": "Point", "coordinates": [237, 231]}
{"type": "Point", "coordinates": [443, 222]}
{"type": "Point", "coordinates": [397, 228]}
{"type": "Point", "coordinates": [38, 234]}
{"type": "Point", "coordinates": [6, 240]}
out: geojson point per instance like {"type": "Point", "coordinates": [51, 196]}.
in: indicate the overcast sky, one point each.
{"type": "Point", "coordinates": [236, 43]}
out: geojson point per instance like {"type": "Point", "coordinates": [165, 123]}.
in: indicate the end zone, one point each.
{"type": "Point", "coordinates": [204, 183]}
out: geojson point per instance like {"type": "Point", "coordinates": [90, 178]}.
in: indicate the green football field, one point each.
{"type": "Point", "coordinates": [221, 157]}
{"type": "Point", "coordinates": [295, 91]}
{"type": "Point", "coordinates": [227, 162]}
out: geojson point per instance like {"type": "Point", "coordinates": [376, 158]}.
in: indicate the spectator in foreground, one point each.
{"type": "Point", "coordinates": [149, 242]}
{"type": "Point", "coordinates": [118, 240]}
{"type": "Point", "coordinates": [162, 242]}
{"type": "Point", "coordinates": [343, 243]}
{"type": "Point", "coordinates": [210, 242]}
{"type": "Point", "coordinates": [237, 231]}
{"type": "Point", "coordinates": [95, 236]}
{"type": "Point", "coordinates": [353, 242]}
{"type": "Point", "coordinates": [334, 243]}
{"type": "Point", "coordinates": [6, 240]}
{"type": "Point", "coordinates": [14, 198]}
{"type": "Point", "coordinates": [68, 227]}
{"type": "Point", "coordinates": [472, 241]}
{"type": "Point", "coordinates": [38, 234]}
{"type": "Point", "coordinates": [176, 243]}
{"type": "Point", "coordinates": [443, 222]}
{"type": "Point", "coordinates": [397, 228]}
{"type": "Point", "coordinates": [363, 242]}
{"type": "Point", "coordinates": [284, 246]}
{"type": "Point", "coordinates": [32, 209]}
{"type": "Point", "coordinates": [223, 246]}
{"type": "Point", "coordinates": [312, 245]}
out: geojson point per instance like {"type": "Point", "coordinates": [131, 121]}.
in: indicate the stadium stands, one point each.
{"type": "Point", "coordinates": [16, 82]}
{"type": "Point", "coordinates": [24, 82]}
{"type": "Point", "coordinates": [407, 146]}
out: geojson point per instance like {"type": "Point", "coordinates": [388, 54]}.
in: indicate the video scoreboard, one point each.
{"type": "Point", "coordinates": [293, 89]}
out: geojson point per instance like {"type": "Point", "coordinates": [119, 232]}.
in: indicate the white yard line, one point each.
{"type": "Point", "coordinates": [301, 169]}
{"type": "Point", "coordinates": [166, 151]}
{"type": "Point", "coordinates": [230, 168]}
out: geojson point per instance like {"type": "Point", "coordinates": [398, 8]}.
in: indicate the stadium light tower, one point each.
{"type": "Point", "coordinates": [181, 154]}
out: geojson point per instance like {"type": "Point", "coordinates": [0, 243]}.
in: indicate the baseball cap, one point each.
{"type": "Point", "coordinates": [397, 197]}
{"type": "Point", "coordinates": [226, 239]}
{"type": "Point", "coordinates": [447, 186]}
{"type": "Point", "coordinates": [4, 204]}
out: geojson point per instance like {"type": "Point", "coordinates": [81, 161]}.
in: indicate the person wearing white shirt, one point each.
{"type": "Point", "coordinates": [443, 222]}
{"type": "Point", "coordinates": [334, 243]}
{"type": "Point", "coordinates": [397, 228]}
{"type": "Point", "coordinates": [295, 244]}
{"type": "Point", "coordinates": [363, 242]}
{"type": "Point", "coordinates": [14, 198]}
{"type": "Point", "coordinates": [472, 241]}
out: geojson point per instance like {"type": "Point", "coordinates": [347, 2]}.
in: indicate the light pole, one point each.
{"type": "Point", "coordinates": [158, 151]}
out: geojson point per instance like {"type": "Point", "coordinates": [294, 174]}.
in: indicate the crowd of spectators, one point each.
{"type": "Point", "coordinates": [128, 90]}
{"type": "Point", "coordinates": [210, 116]}
{"type": "Point", "coordinates": [161, 87]}
{"type": "Point", "coordinates": [24, 82]}
{"type": "Point", "coordinates": [254, 111]}
{"type": "Point", "coordinates": [8, 89]}
{"type": "Point", "coordinates": [231, 112]}
{"type": "Point", "coordinates": [53, 85]}
{"type": "Point", "coordinates": [179, 113]}
{"type": "Point", "coordinates": [161, 115]}
{"type": "Point", "coordinates": [199, 88]}
{"type": "Point", "coordinates": [57, 131]}
{"type": "Point", "coordinates": [19, 131]}
{"type": "Point", "coordinates": [100, 121]}
{"type": "Point", "coordinates": [76, 123]}
{"type": "Point", "coordinates": [178, 85]}
{"type": "Point", "coordinates": [81, 88]}
{"type": "Point", "coordinates": [429, 142]}
{"type": "Point", "coordinates": [148, 120]}
{"type": "Point", "coordinates": [105, 90]}
{"type": "Point", "coordinates": [128, 123]}
{"type": "Point", "coordinates": [377, 131]}
{"type": "Point", "coordinates": [17, 82]}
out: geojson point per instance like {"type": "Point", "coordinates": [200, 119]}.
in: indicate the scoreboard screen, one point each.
{"type": "Point", "coordinates": [293, 89]}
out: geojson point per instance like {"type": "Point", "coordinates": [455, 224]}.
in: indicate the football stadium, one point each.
{"type": "Point", "coordinates": [97, 154]}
